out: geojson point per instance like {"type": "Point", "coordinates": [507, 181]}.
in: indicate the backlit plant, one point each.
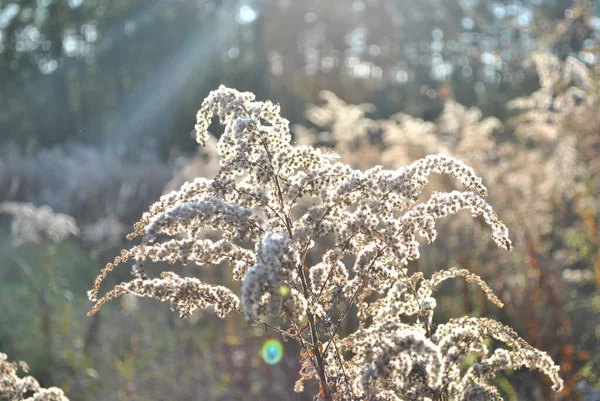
{"type": "Point", "coordinates": [272, 203]}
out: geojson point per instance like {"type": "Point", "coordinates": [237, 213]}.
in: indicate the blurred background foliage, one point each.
{"type": "Point", "coordinates": [98, 99]}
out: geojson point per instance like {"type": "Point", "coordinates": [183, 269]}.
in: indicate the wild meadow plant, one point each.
{"type": "Point", "coordinates": [38, 225]}
{"type": "Point", "coordinates": [273, 205]}
{"type": "Point", "coordinates": [544, 164]}
{"type": "Point", "coordinates": [14, 388]}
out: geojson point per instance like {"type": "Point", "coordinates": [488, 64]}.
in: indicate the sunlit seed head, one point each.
{"type": "Point", "coordinates": [272, 351]}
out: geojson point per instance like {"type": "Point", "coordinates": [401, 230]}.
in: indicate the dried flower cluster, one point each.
{"type": "Point", "coordinates": [15, 388]}
{"type": "Point", "coordinates": [544, 165]}
{"type": "Point", "coordinates": [32, 224]}
{"type": "Point", "coordinates": [274, 204]}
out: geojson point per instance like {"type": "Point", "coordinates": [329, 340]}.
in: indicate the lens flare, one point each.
{"type": "Point", "coordinates": [272, 351]}
{"type": "Point", "coordinates": [284, 290]}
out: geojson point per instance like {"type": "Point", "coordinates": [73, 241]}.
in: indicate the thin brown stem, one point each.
{"type": "Point", "coordinates": [319, 357]}
{"type": "Point", "coordinates": [339, 357]}
{"type": "Point", "coordinates": [350, 303]}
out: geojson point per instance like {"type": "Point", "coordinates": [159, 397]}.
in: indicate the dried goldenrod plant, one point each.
{"type": "Point", "coordinates": [544, 165]}
{"type": "Point", "coordinates": [370, 221]}
{"type": "Point", "coordinates": [15, 388]}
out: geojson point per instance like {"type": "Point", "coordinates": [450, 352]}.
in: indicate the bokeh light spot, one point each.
{"type": "Point", "coordinates": [284, 290]}
{"type": "Point", "coordinates": [246, 15]}
{"type": "Point", "coordinates": [272, 351]}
